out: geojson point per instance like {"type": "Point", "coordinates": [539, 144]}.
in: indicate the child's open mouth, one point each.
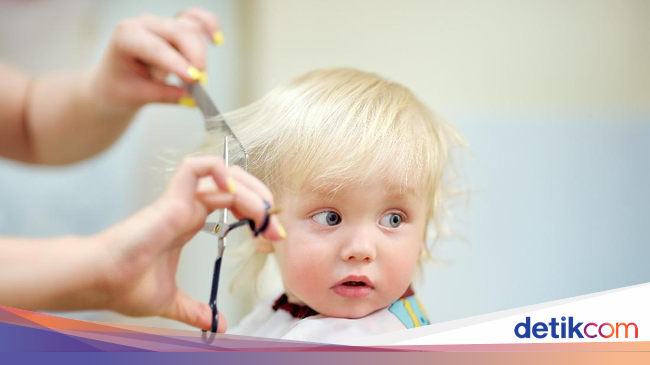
{"type": "Point", "coordinates": [354, 287]}
{"type": "Point", "coordinates": [354, 283]}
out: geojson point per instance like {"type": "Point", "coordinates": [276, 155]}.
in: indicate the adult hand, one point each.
{"type": "Point", "coordinates": [62, 118]}
{"type": "Point", "coordinates": [144, 251]}
{"type": "Point", "coordinates": [144, 50]}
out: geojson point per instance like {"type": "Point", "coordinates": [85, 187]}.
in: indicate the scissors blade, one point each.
{"type": "Point", "coordinates": [210, 227]}
{"type": "Point", "coordinates": [202, 99]}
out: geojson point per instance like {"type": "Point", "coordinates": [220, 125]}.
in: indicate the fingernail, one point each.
{"type": "Point", "coordinates": [231, 185]}
{"type": "Point", "coordinates": [187, 101]}
{"type": "Point", "coordinates": [204, 78]}
{"type": "Point", "coordinates": [217, 37]}
{"type": "Point", "coordinates": [283, 233]}
{"type": "Point", "coordinates": [194, 73]}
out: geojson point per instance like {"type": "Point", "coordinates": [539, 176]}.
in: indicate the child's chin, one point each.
{"type": "Point", "coordinates": [350, 311]}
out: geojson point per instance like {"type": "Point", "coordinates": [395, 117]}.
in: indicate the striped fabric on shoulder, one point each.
{"type": "Point", "coordinates": [410, 312]}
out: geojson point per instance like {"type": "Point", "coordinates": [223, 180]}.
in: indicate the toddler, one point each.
{"type": "Point", "coordinates": [358, 166]}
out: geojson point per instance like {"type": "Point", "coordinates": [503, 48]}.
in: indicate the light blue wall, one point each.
{"type": "Point", "coordinates": [558, 208]}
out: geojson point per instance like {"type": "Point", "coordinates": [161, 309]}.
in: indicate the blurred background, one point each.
{"type": "Point", "coordinates": [552, 96]}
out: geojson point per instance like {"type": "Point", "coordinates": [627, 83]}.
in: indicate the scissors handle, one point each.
{"type": "Point", "coordinates": [217, 263]}
{"type": "Point", "coordinates": [213, 295]}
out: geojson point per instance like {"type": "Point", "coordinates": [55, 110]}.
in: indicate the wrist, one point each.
{"type": "Point", "coordinates": [96, 295]}
{"type": "Point", "coordinates": [107, 255]}
{"type": "Point", "coordinates": [127, 251]}
{"type": "Point", "coordinates": [104, 96]}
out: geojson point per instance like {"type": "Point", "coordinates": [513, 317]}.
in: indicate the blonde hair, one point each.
{"type": "Point", "coordinates": [333, 127]}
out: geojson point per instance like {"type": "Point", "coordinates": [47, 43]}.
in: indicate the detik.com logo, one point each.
{"type": "Point", "coordinates": [590, 330]}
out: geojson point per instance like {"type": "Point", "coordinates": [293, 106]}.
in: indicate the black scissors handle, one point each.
{"type": "Point", "coordinates": [217, 264]}
{"type": "Point", "coordinates": [213, 303]}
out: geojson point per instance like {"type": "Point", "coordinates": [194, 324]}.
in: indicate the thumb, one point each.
{"type": "Point", "coordinates": [194, 313]}
{"type": "Point", "coordinates": [152, 91]}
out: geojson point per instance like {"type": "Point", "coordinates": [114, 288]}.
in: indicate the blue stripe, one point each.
{"type": "Point", "coordinates": [398, 309]}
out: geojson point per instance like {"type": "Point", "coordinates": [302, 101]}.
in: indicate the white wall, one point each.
{"type": "Point", "coordinates": [459, 54]}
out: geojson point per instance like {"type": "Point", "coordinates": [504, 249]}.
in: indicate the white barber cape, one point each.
{"type": "Point", "coordinates": [306, 325]}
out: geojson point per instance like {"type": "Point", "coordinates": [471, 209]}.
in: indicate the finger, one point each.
{"type": "Point", "coordinates": [241, 209]}
{"type": "Point", "coordinates": [274, 230]}
{"type": "Point", "coordinates": [214, 200]}
{"type": "Point", "coordinates": [158, 74]}
{"type": "Point", "coordinates": [244, 203]}
{"type": "Point", "coordinates": [194, 313]}
{"type": "Point", "coordinates": [152, 91]}
{"type": "Point", "coordinates": [222, 327]}
{"type": "Point", "coordinates": [253, 183]}
{"type": "Point", "coordinates": [185, 182]}
{"type": "Point", "coordinates": [208, 21]}
{"type": "Point", "coordinates": [186, 35]}
{"type": "Point", "coordinates": [249, 204]}
{"type": "Point", "coordinates": [135, 41]}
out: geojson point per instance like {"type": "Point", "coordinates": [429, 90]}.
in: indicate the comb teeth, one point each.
{"type": "Point", "coordinates": [214, 121]}
{"type": "Point", "coordinates": [219, 125]}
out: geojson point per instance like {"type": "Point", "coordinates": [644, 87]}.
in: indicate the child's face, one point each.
{"type": "Point", "coordinates": [367, 233]}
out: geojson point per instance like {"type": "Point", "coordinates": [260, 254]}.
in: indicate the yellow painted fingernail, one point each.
{"type": "Point", "coordinates": [283, 233]}
{"type": "Point", "coordinates": [231, 185]}
{"type": "Point", "coordinates": [204, 78]}
{"type": "Point", "coordinates": [187, 101]}
{"type": "Point", "coordinates": [194, 73]}
{"type": "Point", "coordinates": [217, 37]}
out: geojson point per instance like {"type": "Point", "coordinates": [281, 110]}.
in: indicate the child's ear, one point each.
{"type": "Point", "coordinates": [263, 245]}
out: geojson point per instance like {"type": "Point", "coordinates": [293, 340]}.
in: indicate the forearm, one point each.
{"type": "Point", "coordinates": [66, 119]}
{"type": "Point", "coordinates": [66, 273]}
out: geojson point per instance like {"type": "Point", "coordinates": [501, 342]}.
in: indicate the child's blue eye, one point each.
{"type": "Point", "coordinates": [327, 218]}
{"type": "Point", "coordinates": [391, 220]}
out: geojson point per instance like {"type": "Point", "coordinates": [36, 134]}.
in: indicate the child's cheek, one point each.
{"type": "Point", "coordinates": [306, 265]}
{"type": "Point", "coordinates": [402, 261]}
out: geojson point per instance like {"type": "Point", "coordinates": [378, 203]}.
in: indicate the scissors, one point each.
{"type": "Point", "coordinates": [215, 122]}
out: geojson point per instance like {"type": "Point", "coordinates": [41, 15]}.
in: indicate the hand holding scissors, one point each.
{"type": "Point", "coordinates": [215, 123]}
{"type": "Point", "coordinates": [130, 267]}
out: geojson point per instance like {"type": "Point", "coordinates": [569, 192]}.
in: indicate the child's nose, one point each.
{"type": "Point", "coordinates": [359, 247]}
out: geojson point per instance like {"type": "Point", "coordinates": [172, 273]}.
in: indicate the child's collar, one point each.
{"type": "Point", "coordinates": [296, 310]}
{"type": "Point", "coordinates": [302, 311]}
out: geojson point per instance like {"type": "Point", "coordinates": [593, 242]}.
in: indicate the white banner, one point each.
{"type": "Point", "coordinates": [598, 317]}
